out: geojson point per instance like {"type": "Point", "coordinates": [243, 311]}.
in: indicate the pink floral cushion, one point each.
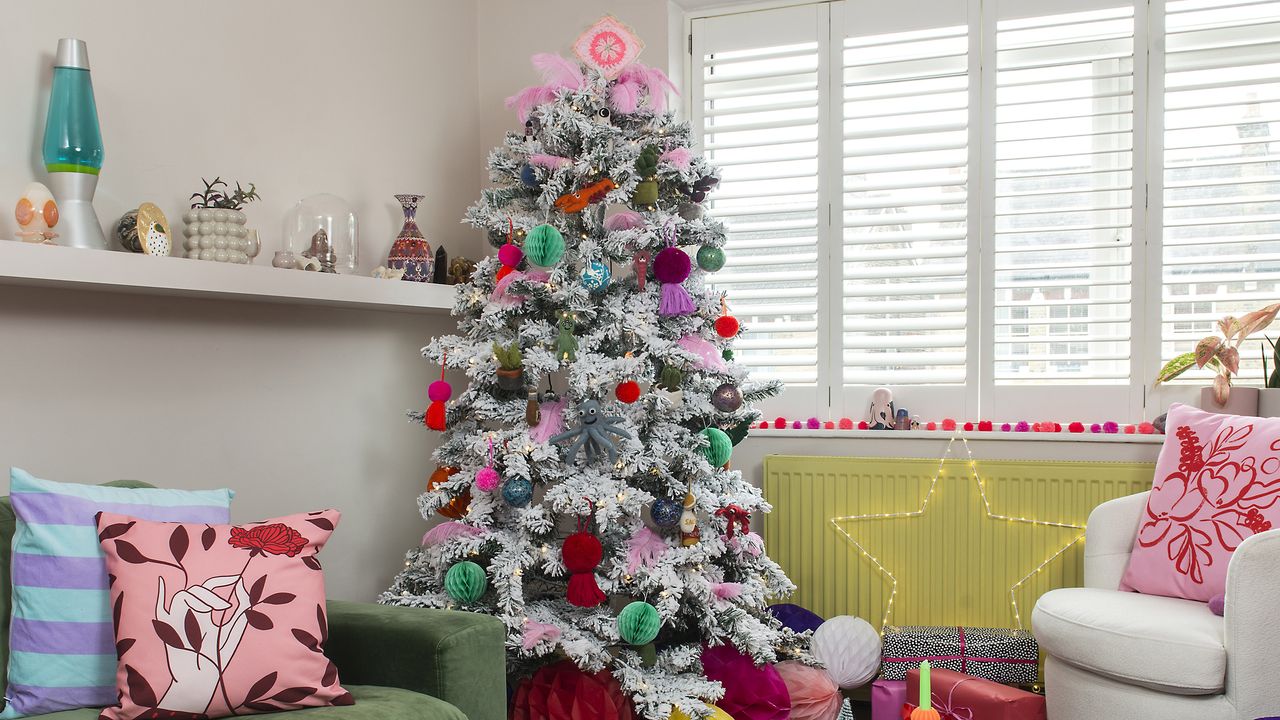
{"type": "Point", "coordinates": [1217, 482]}
{"type": "Point", "coordinates": [218, 620]}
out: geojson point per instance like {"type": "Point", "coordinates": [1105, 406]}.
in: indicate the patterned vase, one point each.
{"type": "Point", "coordinates": [411, 252]}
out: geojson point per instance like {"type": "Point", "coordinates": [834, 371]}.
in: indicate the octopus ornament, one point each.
{"type": "Point", "coordinates": [592, 434]}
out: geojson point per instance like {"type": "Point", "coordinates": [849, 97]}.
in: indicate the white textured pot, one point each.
{"type": "Point", "coordinates": [1241, 401]}
{"type": "Point", "coordinates": [1269, 402]}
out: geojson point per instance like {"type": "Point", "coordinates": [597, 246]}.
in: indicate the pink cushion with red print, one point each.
{"type": "Point", "coordinates": [1217, 482]}
{"type": "Point", "coordinates": [216, 620]}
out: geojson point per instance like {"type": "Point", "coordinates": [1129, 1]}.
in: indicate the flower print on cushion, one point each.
{"type": "Point", "coordinates": [1217, 482]}
{"type": "Point", "coordinates": [219, 620]}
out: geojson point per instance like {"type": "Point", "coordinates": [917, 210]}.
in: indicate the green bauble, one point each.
{"type": "Point", "coordinates": [465, 582]}
{"type": "Point", "coordinates": [710, 258]}
{"type": "Point", "coordinates": [638, 623]}
{"type": "Point", "coordinates": [544, 246]}
{"type": "Point", "coordinates": [719, 447]}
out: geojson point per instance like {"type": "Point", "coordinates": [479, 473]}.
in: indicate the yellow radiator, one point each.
{"type": "Point", "coordinates": [955, 559]}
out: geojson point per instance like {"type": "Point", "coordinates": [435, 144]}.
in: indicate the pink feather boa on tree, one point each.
{"type": "Point", "coordinates": [552, 423]}
{"type": "Point", "coordinates": [447, 531]}
{"type": "Point", "coordinates": [557, 74]}
{"type": "Point", "coordinates": [644, 550]}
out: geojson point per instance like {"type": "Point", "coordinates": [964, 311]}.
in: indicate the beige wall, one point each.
{"type": "Point", "coordinates": [296, 408]}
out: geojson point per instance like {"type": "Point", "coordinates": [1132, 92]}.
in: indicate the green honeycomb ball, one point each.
{"type": "Point", "coordinates": [638, 623]}
{"type": "Point", "coordinates": [710, 258]}
{"type": "Point", "coordinates": [465, 582]}
{"type": "Point", "coordinates": [544, 246]}
{"type": "Point", "coordinates": [718, 448]}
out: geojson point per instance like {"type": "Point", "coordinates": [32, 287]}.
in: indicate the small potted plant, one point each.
{"type": "Point", "coordinates": [510, 366]}
{"type": "Point", "coordinates": [646, 193]}
{"type": "Point", "coordinates": [1222, 355]}
{"type": "Point", "coordinates": [215, 224]}
{"type": "Point", "coordinates": [1269, 396]}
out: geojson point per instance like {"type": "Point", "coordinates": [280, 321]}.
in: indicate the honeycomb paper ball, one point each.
{"type": "Point", "coordinates": [638, 623]}
{"type": "Point", "coordinates": [813, 694]}
{"type": "Point", "coordinates": [671, 265]}
{"type": "Point", "coordinates": [727, 326]}
{"type": "Point", "coordinates": [465, 582]}
{"type": "Point", "coordinates": [751, 692]}
{"type": "Point", "coordinates": [850, 649]}
{"type": "Point", "coordinates": [716, 714]}
{"type": "Point", "coordinates": [719, 447]}
{"type": "Point", "coordinates": [439, 391]}
{"type": "Point", "coordinates": [487, 479]}
{"type": "Point", "coordinates": [544, 246]}
{"type": "Point", "coordinates": [510, 255]}
{"type": "Point", "coordinates": [710, 258]}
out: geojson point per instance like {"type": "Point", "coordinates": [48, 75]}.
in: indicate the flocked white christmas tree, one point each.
{"type": "Point", "coordinates": [601, 409]}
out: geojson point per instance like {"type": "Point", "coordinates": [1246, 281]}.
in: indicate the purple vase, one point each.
{"type": "Point", "coordinates": [411, 252]}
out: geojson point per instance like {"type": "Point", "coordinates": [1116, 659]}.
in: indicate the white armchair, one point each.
{"type": "Point", "coordinates": [1115, 654]}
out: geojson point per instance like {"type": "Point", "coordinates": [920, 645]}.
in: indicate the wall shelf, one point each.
{"type": "Point", "coordinates": [108, 271]}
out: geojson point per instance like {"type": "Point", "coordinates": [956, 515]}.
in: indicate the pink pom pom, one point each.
{"type": "Point", "coordinates": [487, 479]}
{"type": "Point", "coordinates": [828, 425]}
{"type": "Point", "coordinates": [931, 425]}
{"type": "Point", "coordinates": [968, 427]}
{"type": "Point", "coordinates": [846, 424]}
{"type": "Point", "coordinates": [779, 423]}
{"type": "Point", "coordinates": [984, 426]}
{"type": "Point", "coordinates": [1022, 426]}
{"type": "Point", "coordinates": [1095, 428]}
{"type": "Point", "coordinates": [948, 424]}
{"type": "Point", "coordinates": [1130, 429]}
{"type": "Point", "coordinates": [795, 425]}
{"type": "Point", "coordinates": [813, 423]}
{"type": "Point", "coordinates": [764, 425]}
{"type": "Point", "coordinates": [439, 391]}
{"type": "Point", "coordinates": [510, 255]}
{"type": "Point", "coordinates": [1005, 427]}
{"type": "Point", "coordinates": [1110, 427]}
{"type": "Point", "coordinates": [862, 425]}
{"type": "Point", "coordinates": [1146, 428]}
{"type": "Point", "coordinates": [1076, 427]}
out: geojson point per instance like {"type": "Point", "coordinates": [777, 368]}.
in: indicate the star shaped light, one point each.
{"type": "Point", "coordinates": [925, 573]}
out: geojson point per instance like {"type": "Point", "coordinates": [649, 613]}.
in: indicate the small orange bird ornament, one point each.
{"type": "Point", "coordinates": [578, 201]}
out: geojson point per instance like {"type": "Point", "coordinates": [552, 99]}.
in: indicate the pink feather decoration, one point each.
{"type": "Point", "coordinates": [624, 96]}
{"type": "Point", "coordinates": [502, 294]}
{"type": "Point", "coordinates": [724, 592]}
{"type": "Point", "coordinates": [535, 632]}
{"type": "Point", "coordinates": [446, 531]}
{"type": "Point", "coordinates": [632, 78]}
{"type": "Point", "coordinates": [750, 543]}
{"type": "Point", "coordinates": [558, 72]}
{"type": "Point", "coordinates": [678, 157]}
{"type": "Point", "coordinates": [644, 550]}
{"type": "Point", "coordinates": [552, 162]}
{"type": "Point", "coordinates": [625, 220]}
{"type": "Point", "coordinates": [675, 301]}
{"type": "Point", "coordinates": [552, 423]}
{"type": "Point", "coordinates": [529, 98]}
{"type": "Point", "coordinates": [709, 358]}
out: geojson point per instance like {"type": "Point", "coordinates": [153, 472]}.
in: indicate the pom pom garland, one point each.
{"type": "Point", "coordinates": [846, 423]}
{"type": "Point", "coordinates": [829, 425]}
{"type": "Point", "coordinates": [1005, 427]}
{"type": "Point", "coordinates": [813, 423]}
{"type": "Point", "coordinates": [1146, 428]}
{"type": "Point", "coordinates": [582, 552]}
{"type": "Point", "coordinates": [465, 582]}
{"type": "Point", "coordinates": [779, 423]}
{"type": "Point", "coordinates": [1022, 426]}
{"type": "Point", "coordinates": [1095, 428]}
{"type": "Point", "coordinates": [931, 425]}
{"type": "Point", "coordinates": [1110, 427]}
{"type": "Point", "coordinates": [1076, 427]}
{"type": "Point", "coordinates": [984, 426]}
{"type": "Point", "coordinates": [638, 623]}
{"type": "Point", "coordinates": [863, 425]}
{"type": "Point", "coordinates": [544, 246]}
{"type": "Point", "coordinates": [948, 424]}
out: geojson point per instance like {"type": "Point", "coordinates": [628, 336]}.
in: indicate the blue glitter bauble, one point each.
{"type": "Point", "coordinates": [665, 512]}
{"type": "Point", "coordinates": [528, 176]}
{"type": "Point", "coordinates": [517, 491]}
{"type": "Point", "coordinates": [595, 277]}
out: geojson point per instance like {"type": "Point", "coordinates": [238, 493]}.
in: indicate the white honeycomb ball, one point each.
{"type": "Point", "coordinates": [850, 649]}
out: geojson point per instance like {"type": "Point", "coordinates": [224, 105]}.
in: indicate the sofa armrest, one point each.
{"type": "Point", "coordinates": [1112, 528]}
{"type": "Point", "coordinates": [455, 656]}
{"type": "Point", "coordinates": [1251, 633]}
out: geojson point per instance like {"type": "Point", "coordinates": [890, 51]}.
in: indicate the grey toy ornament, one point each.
{"type": "Point", "coordinates": [592, 433]}
{"type": "Point", "coordinates": [882, 411]}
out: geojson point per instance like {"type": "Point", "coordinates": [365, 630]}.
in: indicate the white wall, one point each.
{"type": "Point", "coordinates": [296, 408]}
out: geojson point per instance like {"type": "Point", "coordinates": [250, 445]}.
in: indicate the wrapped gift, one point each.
{"type": "Point", "coordinates": [957, 696]}
{"type": "Point", "coordinates": [1005, 656]}
{"type": "Point", "coordinates": [887, 697]}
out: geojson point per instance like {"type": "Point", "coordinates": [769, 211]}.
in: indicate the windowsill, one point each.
{"type": "Point", "coordinates": [976, 436]}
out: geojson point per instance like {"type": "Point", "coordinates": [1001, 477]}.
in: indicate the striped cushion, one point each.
{"type": "Point", "coordinates": [61, 642]}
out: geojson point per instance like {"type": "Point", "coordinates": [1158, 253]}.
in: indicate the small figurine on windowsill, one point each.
{"type": "Point", "coordinates": [883, 416]}
{"type": "Point", "coordinates": [903, 420]}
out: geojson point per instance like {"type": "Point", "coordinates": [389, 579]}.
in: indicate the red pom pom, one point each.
{"type": "Point", "coordinates": [780, 423]}
{"type": "Point", "coordinates": [628, 391]}
{"type": "Point", "coordinates": [1076, 427]}
{"type": "Point", "coordinates": [764, 424]}
{"type": "Point", "coordinates": [968, 427]}
{"type": "Point", "coordinates": [828, 425]}
{"type": "Point", "coordinates": [863, 425]}
{"type": "Point", "coordinates": [1130, 429]}
{"type": "Point", "coordinates": [503, 271]}
{"type": "Point", "coordinates": [582, 552]}
{"type": "Point", "coordinates": [948, 424]}
{"type": "Point", "coordinates": [1146, 428]}
{"type": "Point", "coordinates": [984, 426]}
{"type": "Point", "coordinates": [435, 416]}
{"type": "Point", "coordinates": [846, 424]}
{"type": "Point", "coordinates": [727, 326]}
{"type": "Point", "coordinates": [931, 425]}
{"type": "Point", "coordinates": [439, 391]}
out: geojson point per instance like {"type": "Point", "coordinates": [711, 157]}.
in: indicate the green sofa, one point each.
{"type": "Point", "coordinates": [399, 663]}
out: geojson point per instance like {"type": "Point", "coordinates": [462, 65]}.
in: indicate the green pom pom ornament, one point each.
{"type": "Point", "coordinates": [544, 246]}
{"type": "Point", "coordinates": [710, 258]}
{"type": "Point", "coordinates": [638, 623]}
{"type": "Point", "coordinates": [718, 448]}
{"type": "Point", "coordinates": [465, 582]}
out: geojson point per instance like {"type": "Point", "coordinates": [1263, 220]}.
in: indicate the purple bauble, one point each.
{"type": "Point", "coordinates": [510, 255]}
{"type": "Point", "coordinates": [795, 617]}
{"type": "Point", "coordinates": [672, 265]}
{"type": "Point", "coordinates": [727, 398]}
{"type": "Point", "coordinates": [439, 391]}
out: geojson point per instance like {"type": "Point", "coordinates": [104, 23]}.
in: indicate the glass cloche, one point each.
{"type": "Point", "coordinates": [338, 247]}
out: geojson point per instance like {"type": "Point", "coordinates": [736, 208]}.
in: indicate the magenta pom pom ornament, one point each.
{"type": "Point", "coordinates": [487, 479]}
{"type": "Point", "coordinates": [439, 393]}
{"type": "Point", "coordinates": [671, 267]}
{"type": "Point", "coordinates": [510, 254]}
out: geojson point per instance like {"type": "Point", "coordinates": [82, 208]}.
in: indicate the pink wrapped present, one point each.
{"type": "Point", "coordinates": [957, 696]}
{"type": "Point", "coordinates": [887, 697]}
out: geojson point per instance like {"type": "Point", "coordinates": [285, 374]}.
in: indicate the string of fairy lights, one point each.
{"type": "Point", "coordinates": [924, 506]}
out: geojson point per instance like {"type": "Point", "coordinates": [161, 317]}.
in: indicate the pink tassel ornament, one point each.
{"type": "Point", "coordinates": [552, 423]}
{"type": "Point", "coordinates": [644, 550]}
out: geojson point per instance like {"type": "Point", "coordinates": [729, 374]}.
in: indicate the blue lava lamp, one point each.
{"type": "Point", "coordinates": [73, 146]}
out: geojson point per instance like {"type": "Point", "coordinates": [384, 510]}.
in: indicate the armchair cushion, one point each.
{"type": "Point", "coordinates": [1166, 644]}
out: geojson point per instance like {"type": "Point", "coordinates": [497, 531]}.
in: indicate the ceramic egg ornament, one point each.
{"type": "Point", "coordinates": [37, 215]}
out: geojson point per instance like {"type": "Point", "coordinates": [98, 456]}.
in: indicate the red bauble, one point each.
{"type": "Point", "coordinates": [503, 271]}
{"type": "Point", "coordinates": [727, 326]}
{"type": "Point", "coordinates": [582, 552]}
{"type": "Point", "coordinates": [628, 391]}
{"type": "Point", "coordinates": [435, 415]}
{"type": "Point", "coordinates": [459, 505]}
{"type": "Point", "coordinates": [562, 691]}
